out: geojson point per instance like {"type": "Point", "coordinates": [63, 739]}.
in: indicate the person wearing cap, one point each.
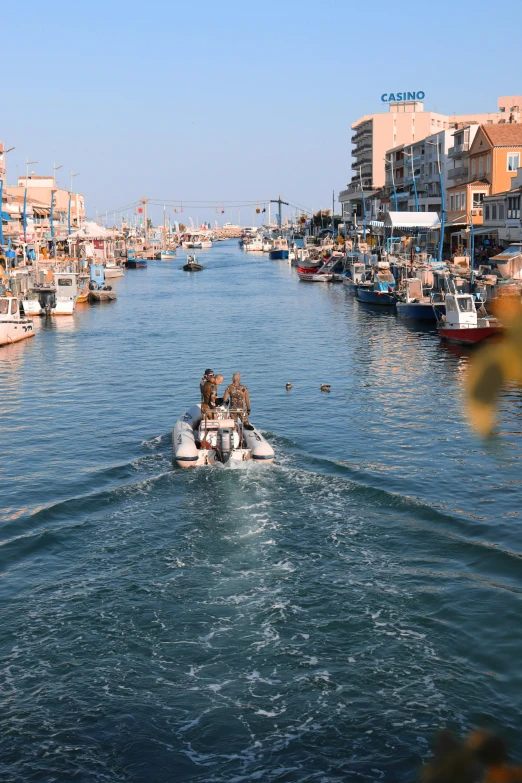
{"type": "Point", "coordinates": [208, 376]}
{"type": "Point", "coordinates": [210, 401]}
{"type": "Point", "coordinates": [238, 396]}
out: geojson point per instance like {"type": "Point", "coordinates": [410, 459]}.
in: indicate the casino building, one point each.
{"type": "Point", "coordinates": [404, 123]}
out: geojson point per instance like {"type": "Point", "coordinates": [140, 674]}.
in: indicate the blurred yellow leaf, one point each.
{"type": "Point", "coordinates": [495, 364]}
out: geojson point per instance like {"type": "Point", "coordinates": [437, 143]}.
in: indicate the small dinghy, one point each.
{"type": "Point", "coordinates": [199, 441]}
{"type": "Point", "coordinates": [192, 265]}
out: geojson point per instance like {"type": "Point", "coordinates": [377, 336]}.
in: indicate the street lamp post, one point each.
{"type": "Point", "coordinates": [1, 202]}
{"type": "Point", "coordinates": [442, 200]}
{"type": "Point", "coordinates": [27, 164]}
{"type": "Point", "coordinates": [393, 183]}
{"type": "Point", "coordinates": [410, 155]}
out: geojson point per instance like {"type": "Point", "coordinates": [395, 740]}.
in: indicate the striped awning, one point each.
{"type": "Point", "coordinates": [377, 223]}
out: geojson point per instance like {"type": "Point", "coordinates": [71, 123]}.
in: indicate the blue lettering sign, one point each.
{"type": "Point", "coordinates": [402, 96]}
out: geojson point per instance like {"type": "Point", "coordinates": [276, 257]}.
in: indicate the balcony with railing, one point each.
{"type": "Point", "coordinates": [458, 149]}
{"type": "Point", "coordinates": [458, 172]}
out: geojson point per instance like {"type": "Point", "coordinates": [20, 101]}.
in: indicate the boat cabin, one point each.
{"type": "Point", "coordinates": [66, 285]}
{"type": "Point", "coordinates": [97, 275]}
{"type": "Point", "coordinates": [280, 244]}
{"type": "Point", "coordinates": [461, 312]}
{"type": "Point", "coordinates": [413, 292]}
{"type": "Point", "coordinates": [9, 308]}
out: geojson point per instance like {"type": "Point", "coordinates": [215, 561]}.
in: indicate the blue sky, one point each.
{"type": "Point", "coordinates": [232, 101]}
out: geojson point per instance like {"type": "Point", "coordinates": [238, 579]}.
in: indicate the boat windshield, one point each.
{"type": "Point", "coordinates": [64, 281]}
{"type": "Point", "coordinates": [466, 304]}
{"type": "Point", "coordinates": [4, 306]}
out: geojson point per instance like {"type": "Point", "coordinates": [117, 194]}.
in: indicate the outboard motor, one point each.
{"type": "Point", "coordinates": [225, 444]}
{"type": "Point", "coordinates": [47, 299]}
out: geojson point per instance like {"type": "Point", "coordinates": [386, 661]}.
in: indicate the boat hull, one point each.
{"type": "Point", "coordinates": [278, 255]}
{"type": "Point", "coordinates": [14, 331]}
{"type": "Point", "coordinates": [188, 453]}
{"type": "Point", "coordinates": [469, 336]}
{"type": "Point", "coordinates": [102, 296]}
{"type": "Point", "coordinates": [136, 263]}
{"type": "Point", "coordinates": [113, 272]}
{"type": "Point", "coordinates": [375, 297]}
{"type": "Point", "coordinates": [419, 311]}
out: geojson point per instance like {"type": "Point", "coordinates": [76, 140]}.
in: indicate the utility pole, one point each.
{"type": "Point", "coordinates": [279, 202]}
{"type": "Point", "coordinates": [144, 202]}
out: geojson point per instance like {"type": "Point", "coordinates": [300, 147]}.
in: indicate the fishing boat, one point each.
{"type": "Point", "coordinates": [134, 261]}
{"type": "Point", "coordinates": [197, 440]}
{"type": "Point", "coordinates": [99, 291]}
{"type": "Point", "coordinates": [381, 289]}
{"type": "Point", "coordinates": [13, 325]}
{"type": "Point", "coordinates": [354, 275]}
{"type": "Point", "coordinates": [329, 272]}
{"type": "Point", "coordinates": [412, 303]}
{"type": "Point", "coordinates": [192, 264]}
{"type": "Point", "coordinates": [267, 244]}
{"type": "Point", "coordinates": [462, 324]}
{"type": "Point", "coordinates": [165, 255]}
{"type": "Point", "coordinates": [206, 244]}
{"type": "Point", "coordinates": [255, 245]}
{"type": "Point", "coordinates": [279, 249]}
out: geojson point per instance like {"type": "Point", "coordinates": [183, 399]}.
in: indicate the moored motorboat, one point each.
{"type": "Point", "coordinates": [113, 270]}
{"type": "Point", "coordinates": [279, 249]}
{"type": "Point", "coordinates": [380, 290]}
{"type": "Point", "coordinates": [354, 275]}
{"type": "Point", "coordinates": [192, 264]}
{"type": "Point", "coordinates": [412, 303]}
{"type": "Point", "coordinates": [13, 325]}
{"type": "Point", "coordinates": [199, 441]}
{"type": "Point", "coordinates": [462, 324]}
{"type": "Point", "coordinates": [134, 261]}
{"type": "Point", "coordinates": [166, 255]}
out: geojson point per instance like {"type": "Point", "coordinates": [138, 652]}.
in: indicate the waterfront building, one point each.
{"type": "Point", "coordinates": [501, 214]}
{"type": "Point", "coordinates": [405, 123]}
{"type": "Point", "coordinates": [40, 188]}
{"type": "Point", "coordinates": [490, 165]}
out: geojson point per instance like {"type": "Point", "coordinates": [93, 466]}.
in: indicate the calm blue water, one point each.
{"type": "Point", "coordinates": [315, 620]}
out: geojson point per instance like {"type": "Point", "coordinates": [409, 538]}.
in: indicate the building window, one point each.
{"type": "Point", "coordinates": [463, 200]}
{"type": "Point", "coordinates": [486, 212]}
{"type": "Point", "coordinates": [481, 166]}
{"type": "Point", "coordinates": [513, 161]}
{"type": "Point", "coordinates": [493, 212]}
{"type": "Point", "coordinates": [501, 211]}
{"type": "Point", "coordinates": [513, 209]}
{"type": "Point", "coordinates": [488, 164]}
{"type": "Point", "coordinates": [473, 167]}
{"type": "Point", "coordinates": [452, 200]}
{"type": "Point", "coordinates": [457, 201]}
{"type": "Point", "coordinates": [478, 198]}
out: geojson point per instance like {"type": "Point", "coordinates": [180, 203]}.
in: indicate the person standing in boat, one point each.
{"type": "Point", "coordinates": [208, 376]}
{"type": "Point", "coordinates": [210, 400]}
{"type": "Point", "coordinates": [238, 397]}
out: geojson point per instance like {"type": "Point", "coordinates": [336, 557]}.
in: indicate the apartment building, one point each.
{"type": "Point", "coordinates": [491, 163]}
{"type": "Point", "coordinates": [405, 123]}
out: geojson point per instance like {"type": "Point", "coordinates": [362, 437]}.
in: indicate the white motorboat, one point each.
{"type": "Point", "coordinates": [13, 326]}
{"type": "Point", "coordinates": [206, 243]}
{"type": "Point", "coordinates": [198, 441]}
{"type": "Point", "coordinates": [113, 270]}
{"type": "Point", "coordinates": [255, 245]}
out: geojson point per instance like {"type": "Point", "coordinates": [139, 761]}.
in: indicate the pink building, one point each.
{"type": "Point", "coordinates": [404, 123]}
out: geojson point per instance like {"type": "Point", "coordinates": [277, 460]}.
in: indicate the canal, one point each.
{"type": "Point", "coordinates": [317, 619]}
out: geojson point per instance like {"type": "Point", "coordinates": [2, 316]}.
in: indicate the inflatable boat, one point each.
{"type": "Point", "coordinates": [199, 441]}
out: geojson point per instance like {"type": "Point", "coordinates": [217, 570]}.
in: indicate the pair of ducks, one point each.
{"type": "Point", "coordinates": [324, 386]}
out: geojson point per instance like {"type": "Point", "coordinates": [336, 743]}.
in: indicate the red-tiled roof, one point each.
{"type": "Point", "coordinates": [505, 135]}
